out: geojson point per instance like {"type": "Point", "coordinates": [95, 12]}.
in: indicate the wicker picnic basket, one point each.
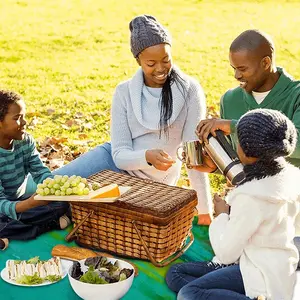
{"type": "Point", "coordinates": [151, 221]}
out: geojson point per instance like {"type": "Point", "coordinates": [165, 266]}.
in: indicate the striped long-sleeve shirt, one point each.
{"type": "Point", "coordinates": [15, 165]}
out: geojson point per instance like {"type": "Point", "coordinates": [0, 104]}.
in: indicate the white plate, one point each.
{"type": "Point", "coordinates": [65, 267]}
{"type": "Point", "coordinates": [123, 189]}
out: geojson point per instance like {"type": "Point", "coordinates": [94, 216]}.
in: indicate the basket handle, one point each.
{"type": "Point", "coordinates": [169, 259]}
{"type": "Point", "coordinates": [69, 237]}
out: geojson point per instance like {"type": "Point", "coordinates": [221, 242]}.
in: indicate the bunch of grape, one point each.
{"type": "Point", "coordinates": [64, 186]}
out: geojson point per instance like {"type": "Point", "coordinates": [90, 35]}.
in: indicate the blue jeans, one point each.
{"type": "Point", "coordinates": [33, 222]}
{"type": "Point", "coordinates": [206, 281]}
{"type": "Point", "coordinates": [94, 161]}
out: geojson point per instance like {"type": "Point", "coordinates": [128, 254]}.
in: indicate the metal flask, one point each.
{"type": "Point", "coordinates": [226, 159]}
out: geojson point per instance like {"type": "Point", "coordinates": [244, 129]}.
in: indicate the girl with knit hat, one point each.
{"type": "Point", "coordinates": [152, 114]}
{"type": "Point", "coordinates": [253, 240]}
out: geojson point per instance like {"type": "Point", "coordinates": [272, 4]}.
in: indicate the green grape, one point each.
{"type": "Point", "coordinates": [95, 186]}
{"type": "Point", "coordinates": [56, 186]}
{"type": "Point", "coordinates": [74, 183]}
{"type": "Point", "coordinates": [57, 178]}
{"type": "Point", "coordinates": [67, 184]}
{"type": "Point", "coordinates": [84, 180]}
{"type": "Point", "coordinates": [40, 191]}
{"type": "Point", "coordinates": [64, 178]}
{"type": "Point", "coordinates": [69, 191]}
{"type": "Point", "coordinates": [50, 185]}
{"type": "Point", "coordinates": [81, 185]}
{"type": "Point", "coordinates": [47, 180]}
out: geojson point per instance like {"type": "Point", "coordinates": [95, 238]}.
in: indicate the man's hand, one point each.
{"type": "Point", "coordinates": [205, 127]}
{"type": "Point", "coordinates": [220, 206]}
{"type": "Point", "coordinates": [159, 159]}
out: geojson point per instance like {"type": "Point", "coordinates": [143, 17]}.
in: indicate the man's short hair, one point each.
{"type": "Point", "coordinates": [251, 40]}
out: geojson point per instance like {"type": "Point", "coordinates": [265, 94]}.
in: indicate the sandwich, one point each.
{"type": "Point", "coordinates": [34, 270]}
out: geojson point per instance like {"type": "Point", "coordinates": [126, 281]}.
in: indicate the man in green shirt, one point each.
{"type": "Point", "coordinates": [262, 85]}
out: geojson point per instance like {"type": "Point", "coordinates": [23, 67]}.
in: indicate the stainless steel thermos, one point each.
{"type": "Point", "coordinates": [226, 159]}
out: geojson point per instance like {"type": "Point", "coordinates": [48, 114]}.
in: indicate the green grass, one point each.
{"type": "Point", "coordinates": [69, 55]}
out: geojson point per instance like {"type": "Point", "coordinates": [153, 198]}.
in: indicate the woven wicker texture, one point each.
{"type": "Point", "coordinates": [147, 196]}
{"type": "Point", "coordinates": [162, 215]}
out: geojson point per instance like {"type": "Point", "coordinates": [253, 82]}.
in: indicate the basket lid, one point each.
{"type": "Point", "coordinates": [146, 196]}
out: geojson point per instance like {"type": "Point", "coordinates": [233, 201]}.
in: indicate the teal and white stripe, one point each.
{"type": "Point", "coordinates": [15, 165]}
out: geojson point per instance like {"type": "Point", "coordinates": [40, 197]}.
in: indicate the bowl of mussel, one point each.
{"type": "Point", "coordinates": [101, 277]}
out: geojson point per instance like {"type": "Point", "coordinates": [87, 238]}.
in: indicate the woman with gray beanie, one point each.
{"type": "Point", "coordinates": [152, 114]}
{"type": "Point", "coordinates": [255, 257]}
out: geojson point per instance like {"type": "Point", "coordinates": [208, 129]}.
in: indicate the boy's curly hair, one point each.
{"type": "Point", "coordinates": [6, 99]}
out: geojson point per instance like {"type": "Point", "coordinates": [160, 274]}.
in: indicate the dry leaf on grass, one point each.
{"type": "Point", "coordinates": [34, 122]}
{"type": "Point", "coordinates": [82, 136]}
{"type": "Point", "coordinates": [50, 111]}
{"type": "Point", "coordinates": [55, 153]}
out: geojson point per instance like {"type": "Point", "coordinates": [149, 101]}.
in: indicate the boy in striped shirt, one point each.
{"type": "Point", "coordinates": [22, 217]}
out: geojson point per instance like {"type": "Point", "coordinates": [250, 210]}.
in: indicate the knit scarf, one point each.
{"type": "Point", "coordinates": [263, 168]}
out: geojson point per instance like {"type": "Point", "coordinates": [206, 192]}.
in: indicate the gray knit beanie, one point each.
{"type": "Point", "coordinates": [146, 32]}
{"type": "Point", "coordinates": [266, 133]}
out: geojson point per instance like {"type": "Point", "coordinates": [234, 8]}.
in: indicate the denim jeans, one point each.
{"type": "Point", "coordinates": [89, 163]}
{"type": "Point", "coordinates": [33, 222]}
{"type": "Point", "coordinates": [96, 160]}
{"type": "Point", "coordinates": [206, 281]}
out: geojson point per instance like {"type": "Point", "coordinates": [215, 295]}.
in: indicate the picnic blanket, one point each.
{"type": "Point", "coordinates": [149, 284]}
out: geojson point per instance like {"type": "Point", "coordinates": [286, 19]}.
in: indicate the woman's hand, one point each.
{"type": "Point", "coordinates": [159, 159]}
{"type": "Point", "coordinates": [220, 206]}
{"type": "Point", "coordinates": [205, 127]}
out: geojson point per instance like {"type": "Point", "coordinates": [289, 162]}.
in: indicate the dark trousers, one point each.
{"type": "Point", "coordinates": [206, 281]}
{"type": "Point", "coordinates": [33, 222]}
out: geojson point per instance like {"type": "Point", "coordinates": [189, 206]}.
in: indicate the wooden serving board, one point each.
{"type": "Point", "coordinates": [84, 198]}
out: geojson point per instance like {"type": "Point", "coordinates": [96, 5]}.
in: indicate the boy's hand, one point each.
{"type": "Point", "coordinates": [205, 127]}
{"type": "Point", "coordinates": [36, 203]}
{"type": "Point", "coordinates": [30, 203]}
{"type": "Point", "coordinates": [220, 206]}
{"type": "Point", "coordinates": [159, 159]}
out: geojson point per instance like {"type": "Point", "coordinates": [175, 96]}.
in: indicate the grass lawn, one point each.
{"type": "Point", "coordinates": [67, 56]}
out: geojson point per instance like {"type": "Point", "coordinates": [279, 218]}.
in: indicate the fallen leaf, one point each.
{"type": "Point", "coordinates": [78, 115]}
{"type": "Point", "coordinates": [79, 143]}
{"type": "Point", "coordinates": [56, 163]}
{"type": "Point", "coordinates": [33, 123]}
{"type": "Point", "coordinates": [82, 136]}
{"type": "Point", "coordinates": [70, 123]}
{"type": "Point", "coordinates": [88, 125]}
{"type": "Point", "coordinates": [65, 126]}
{"type": "Point", "coordinates": [50, 111]}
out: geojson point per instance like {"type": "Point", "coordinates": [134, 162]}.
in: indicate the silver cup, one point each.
{"type": "Point", "coordinates": [193, 153]}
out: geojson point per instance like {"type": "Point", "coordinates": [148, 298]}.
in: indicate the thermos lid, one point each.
{"type": "Point", "coordinates": [238, 179]}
